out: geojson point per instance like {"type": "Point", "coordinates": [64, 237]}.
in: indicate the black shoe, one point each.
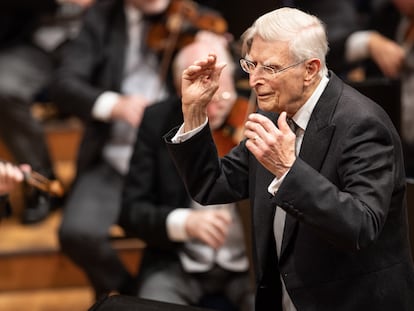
{"type": "Point", "coordinates": [38, 207]}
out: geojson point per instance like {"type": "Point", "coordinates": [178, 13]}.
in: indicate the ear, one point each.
{"type": "Point", "coordinates": [312, 69]}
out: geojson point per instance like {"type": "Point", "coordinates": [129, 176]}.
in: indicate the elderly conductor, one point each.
{"type": "Point", "coordinates": [328, 204]}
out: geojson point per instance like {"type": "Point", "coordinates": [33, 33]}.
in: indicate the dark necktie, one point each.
{"type": "Point", "coordinates": [293, 126]}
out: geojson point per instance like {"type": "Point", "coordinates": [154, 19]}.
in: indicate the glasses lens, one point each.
{"type": "Point", "coordinates": [268, 70]}
{"type": "Point", "coordinates": [246, 65]}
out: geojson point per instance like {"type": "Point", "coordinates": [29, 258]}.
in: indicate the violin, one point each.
{"type": "Point", "coordinates": [38, 181]}
{"type": "Point", "coordinates": [183, 18]}
{"type": "Point", "coordinates": [231, 132]}
{"type": "Point", "coordinates": [178, 26]}
{"type": "Point", "coordinates": [35, 179]}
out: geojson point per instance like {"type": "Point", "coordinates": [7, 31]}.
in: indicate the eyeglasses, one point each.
{"type": "Point", "coordinates": [269, 70]}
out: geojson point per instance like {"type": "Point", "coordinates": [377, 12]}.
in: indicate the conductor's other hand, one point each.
{"type": "Point", "coordinates": [273, 147]}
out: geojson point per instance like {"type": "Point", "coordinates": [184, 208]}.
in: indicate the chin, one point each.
{"type": "Point", "coordinates": [265, 106]}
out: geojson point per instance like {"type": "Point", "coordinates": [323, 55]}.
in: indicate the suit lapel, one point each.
{"type": "Point", "coordinates": [316, 142]}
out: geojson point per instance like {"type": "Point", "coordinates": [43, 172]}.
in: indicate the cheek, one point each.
{"type": "Point", "coordinates": [279, 88]}
{"type": "Point", "coordinates": [286, 93]}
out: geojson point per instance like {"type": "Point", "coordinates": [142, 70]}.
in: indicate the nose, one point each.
{"type": "Point", "coordinates": [255, 78]}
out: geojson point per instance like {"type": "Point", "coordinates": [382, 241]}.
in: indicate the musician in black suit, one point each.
{"type": "Point", "coordinates": [192, 252]}
{"type": "Point", "coordinates": [107, 77]}
{"type": "Point", "coordinates": [27, 53]}
{"type": "Point", "coordinates": [323, 168]}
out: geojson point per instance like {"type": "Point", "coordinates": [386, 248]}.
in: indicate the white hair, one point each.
{"type": "Point", "coordinates": [305, 34]}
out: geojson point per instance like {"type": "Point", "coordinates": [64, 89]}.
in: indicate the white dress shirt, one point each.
{"type": "Point", "coordinates": [141, 76]}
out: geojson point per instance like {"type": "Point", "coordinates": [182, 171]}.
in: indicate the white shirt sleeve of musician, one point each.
{"type": "Point", "coordinates": [103, 106]}
{"type": "Point", "coordinates": [356, 47]}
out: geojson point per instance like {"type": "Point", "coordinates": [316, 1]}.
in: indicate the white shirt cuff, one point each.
{"type": "Point", "coordinates": [103, 106]}
{"type": "Point", "coordinates": [275, 184]}
{"type": "Point", "coordinates": [357, 46]}
{"type": "Point", "coordinates": [176, 224]}
{"type": "Point", "coordinates": [181, 137]}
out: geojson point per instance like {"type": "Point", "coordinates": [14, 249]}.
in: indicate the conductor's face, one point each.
{"type": "Point", "coordinates": [277, 78]}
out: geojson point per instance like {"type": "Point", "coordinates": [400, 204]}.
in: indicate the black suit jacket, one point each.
{"type": "Point", "coordinates": [153, 187]}
{"type": "Point", "coordinates": [19, 19]}
{"type": "Point", "coordinates": [90, 65]}
{"type": "Point", "coordinates": [345, 244]}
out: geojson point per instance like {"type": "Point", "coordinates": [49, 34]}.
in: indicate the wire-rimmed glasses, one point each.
{"type": "Point", "coordinates": [269, 70]}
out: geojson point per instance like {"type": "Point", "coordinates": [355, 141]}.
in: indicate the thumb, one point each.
{"type": "Point", "coordinates": [282, 123]}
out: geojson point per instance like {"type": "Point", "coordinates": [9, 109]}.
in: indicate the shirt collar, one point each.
{"type": "Point", "coordinates": [303, 115]}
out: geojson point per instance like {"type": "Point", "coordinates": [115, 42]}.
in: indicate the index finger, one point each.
{"type": "Point", "coordinates": [264, 121]}
{"type": "Point", "coordinates": [201, 65]}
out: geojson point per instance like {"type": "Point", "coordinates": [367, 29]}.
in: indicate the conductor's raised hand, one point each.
{"type": "Point", "coordinates": [199, 83]}
{"type": "Point", "coordinates": [273, 147]}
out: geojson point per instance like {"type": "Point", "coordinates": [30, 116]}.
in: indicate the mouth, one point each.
{"type": "Point", "coordinates": [264, 96]}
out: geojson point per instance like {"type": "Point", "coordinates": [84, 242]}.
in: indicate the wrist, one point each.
{"type": "Point", "coordinates": [194, 117]}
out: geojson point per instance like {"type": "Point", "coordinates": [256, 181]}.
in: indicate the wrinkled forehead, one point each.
{"type": "Point", "coordinates": [264, 51]}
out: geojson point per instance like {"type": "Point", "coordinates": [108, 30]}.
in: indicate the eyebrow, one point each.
{"type": "Point", "coordinates": [265, 63]}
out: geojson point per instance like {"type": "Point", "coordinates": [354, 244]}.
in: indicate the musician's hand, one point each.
{"type": "Point", "coordinates": [209, 226]}
{"type": "Point", "coordinates": [387, 54]}
{"type": "Point", "coordinates": [273, 147]}
{"type": "Point", "coordinates": [130, 109]}
{"type": "Point", "coordinates": [10, 177]}
{"type": "Point", "coordinates": [199, 83]}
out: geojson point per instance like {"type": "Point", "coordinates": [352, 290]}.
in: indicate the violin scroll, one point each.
{"type": "Point", "coordinates": [53, 187]}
